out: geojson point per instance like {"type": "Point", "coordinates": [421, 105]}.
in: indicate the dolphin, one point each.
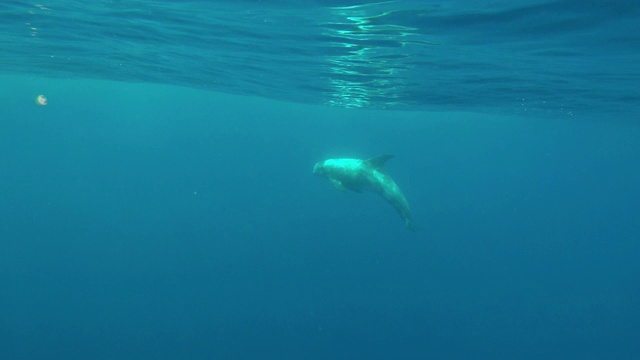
{"type": "Point", "coordinates": [366, 175]}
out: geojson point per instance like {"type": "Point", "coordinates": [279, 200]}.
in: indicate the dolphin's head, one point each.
{"type": "Point", "coordinates": [331, 168]}
{"type": "Point", "coordinates": [319, 169]}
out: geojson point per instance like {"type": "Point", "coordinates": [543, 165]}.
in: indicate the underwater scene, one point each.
{"type": "Point", "coordinates": [320, 179]}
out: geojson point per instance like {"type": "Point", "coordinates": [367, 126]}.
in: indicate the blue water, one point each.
{"type": "Point", "coordinates": [162, 204]}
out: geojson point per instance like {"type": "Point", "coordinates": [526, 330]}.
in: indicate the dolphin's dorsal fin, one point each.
{"type": "Point", "coordinates": [378, 161]}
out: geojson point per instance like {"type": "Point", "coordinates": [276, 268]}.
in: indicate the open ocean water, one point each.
{"type": "Point", "coordinates": [161, 204]}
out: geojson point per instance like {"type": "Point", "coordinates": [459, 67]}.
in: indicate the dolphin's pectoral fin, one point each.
{"type": "Point", "coordinates": [379, 161]}
{"type": "Point", "coordinates": [344, 186]}
{"type": "Point", "coordinates": [338, 184]}
{"type": "Point", "coordinates": [352, 188]}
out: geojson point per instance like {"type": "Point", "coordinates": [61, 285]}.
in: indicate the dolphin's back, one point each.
{"type": "Point", "coordinates": [391, 192]}
{"type": "Point", "coordinates": [383, 184]}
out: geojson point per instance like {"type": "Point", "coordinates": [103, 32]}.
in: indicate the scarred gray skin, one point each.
{"type": "Point", "coordinates": [366, 175]}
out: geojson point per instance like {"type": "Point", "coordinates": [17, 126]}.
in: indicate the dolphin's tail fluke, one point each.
{"type": "Point", "coordinates": [410, 225]}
